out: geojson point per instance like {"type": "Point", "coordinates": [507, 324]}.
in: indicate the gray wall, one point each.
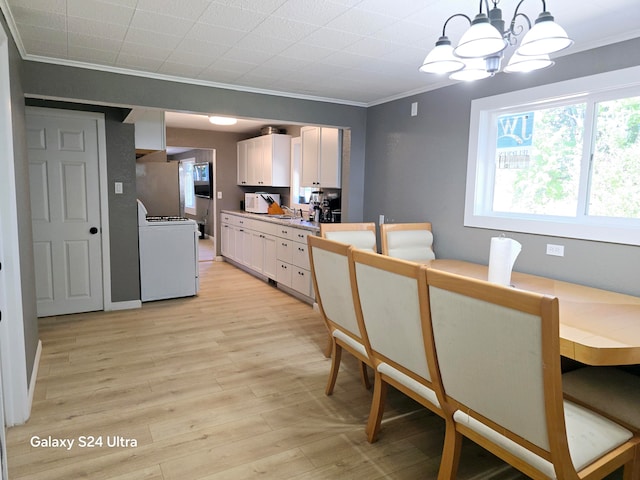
{"type": "Point", "coordinates": [23, 202]}
{"type": "Point", "coordinates": [416, 171]}
{"type": "Point", "coordinates": [123, 211]}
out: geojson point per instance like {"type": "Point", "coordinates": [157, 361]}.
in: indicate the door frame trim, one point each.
{"type": "Point", "coordinates": [12, 346]}
{"type": "Point", "coordinates": [103, 185]}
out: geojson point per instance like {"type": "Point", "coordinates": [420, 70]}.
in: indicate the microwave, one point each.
{"type": "Point", "coordinates": [259, 202]}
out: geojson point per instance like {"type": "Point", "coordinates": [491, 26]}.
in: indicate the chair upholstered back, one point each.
{"type": "Point", "coordinates": [392, 306]}
{"type": "Point", "coordinates": [330, 273]}
{"type": "Point", "coordinates": [480, 348]}
{"type": "Point", "coordinates": [409, 241]}
{"type": "Point", "coordinates": [389, 295]}
{"type": "Point", "coordinates": [330, 268]}
{"type": "Point", "coordinates": [360, 235]}
{"type": "Point", "coordinates": [498, 354]}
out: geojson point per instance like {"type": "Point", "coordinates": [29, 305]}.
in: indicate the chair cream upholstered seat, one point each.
{"type": "Point", "coordinates": [391, 305]}
{"type": "Point", "coordinates": [607, 390]}
{"type": "Point", "coordinates": [409, 241]}
{"type": "Point", "coordinates": [360, 235]}
{"type": "Point", "coordinates": [498, 354]}
{"type": "Point", "coordinates": [330, 275]}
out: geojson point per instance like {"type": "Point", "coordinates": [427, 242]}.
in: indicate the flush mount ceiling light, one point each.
{"type": "Point", "coordinates": [216, 120]}
{"type": "Point", "coordinates": [481, 48]}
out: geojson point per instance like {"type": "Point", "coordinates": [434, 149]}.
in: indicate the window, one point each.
{"type": "Point", "coordinates": [562, 160]}
{"type": "Point", "coordinates": [188, 185]}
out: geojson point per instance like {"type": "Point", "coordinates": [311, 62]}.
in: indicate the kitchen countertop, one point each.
{"type": "Point", "coordinates": [293, 222]}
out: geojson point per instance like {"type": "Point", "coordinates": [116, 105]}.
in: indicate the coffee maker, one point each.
{"type": "Point", "coordinates": [316, 202]}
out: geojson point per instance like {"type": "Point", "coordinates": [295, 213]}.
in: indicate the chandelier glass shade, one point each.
{"type": "Point", "coordinates": [480, 51]}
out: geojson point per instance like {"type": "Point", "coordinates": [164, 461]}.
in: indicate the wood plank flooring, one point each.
{"type": "Point", "coordinates": [225, 385]}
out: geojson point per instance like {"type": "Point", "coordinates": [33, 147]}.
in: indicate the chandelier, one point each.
{"type": "Point", "coordinates": [481, 49]}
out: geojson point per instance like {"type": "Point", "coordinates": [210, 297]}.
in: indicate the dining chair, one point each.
{"type": "Point", "coordinates": [330, 275]}
{"type": "Point", "coordinates": [360, 235]}
{"type": "Point", "coordinates": [498, 354]}
{"type": "Point", "coordinates": [409, 241]}
{"type": "Point", "coordinates": [392, 308]}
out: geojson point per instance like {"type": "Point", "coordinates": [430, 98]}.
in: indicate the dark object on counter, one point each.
{"type": "Point", "coordinates": [242, 205]}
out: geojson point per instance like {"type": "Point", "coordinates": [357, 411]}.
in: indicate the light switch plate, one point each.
{"type": "Point", "coordinates": [118, 187]}
{"type": "Point", "coordinates": [219, 195]}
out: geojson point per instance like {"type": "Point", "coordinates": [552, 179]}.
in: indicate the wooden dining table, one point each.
{"type": "Point", "coordinates": [597, 327]}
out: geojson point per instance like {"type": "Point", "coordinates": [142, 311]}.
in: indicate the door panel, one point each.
{"type": "Point", "coordinates": [44, 271]}
{"type": "Point", "coordinates": [65, 202]}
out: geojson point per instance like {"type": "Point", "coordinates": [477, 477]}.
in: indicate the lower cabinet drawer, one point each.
{"type": "Point", "coordinates": [301, 281]}
{"type": "Point", "coordinates": [284, 249]}
{"type": "Point", "coordinates": [284, 273]}
{"type": "Point", "coordinates": [300, 255]}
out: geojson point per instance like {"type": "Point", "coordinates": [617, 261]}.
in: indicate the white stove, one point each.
{"type": "Point", "coordinates": [168, 248]}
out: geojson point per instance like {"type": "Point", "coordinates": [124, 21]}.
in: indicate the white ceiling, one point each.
{"type": "Point", "coordinates": [359, 52]}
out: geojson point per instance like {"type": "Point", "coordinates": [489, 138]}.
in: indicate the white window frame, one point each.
{"type": "Point", "coordinates": [482, 130]}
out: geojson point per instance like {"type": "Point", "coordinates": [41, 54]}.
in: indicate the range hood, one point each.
{"type": "Point", "coordinates": [150, 134]}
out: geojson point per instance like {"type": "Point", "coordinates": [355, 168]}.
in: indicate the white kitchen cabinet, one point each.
{"type": "Point", "coordinates": [149, 130]}
{"type": "Point", "coordinates": [263, 253]}
{"type": "Point", "coordinates": [243, 170]}
{"type": "Point", "coordinates": [301, 281]}
{"type": "Point", "coordinates": [321, 152]}
{"type": "Point", "coordinates": [301, 272]}
{"type": "Point", "coordinates": [227, 240]}
{"type": "Point", "coordinates": [276, 251]}
{"type": "Point", "coordinates": [283, 275]}
{"type": "Point", "coordinates": [265, 161]}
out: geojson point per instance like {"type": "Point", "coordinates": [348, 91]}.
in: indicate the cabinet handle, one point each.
{"type": "Point", "coordinates": [284, 244]}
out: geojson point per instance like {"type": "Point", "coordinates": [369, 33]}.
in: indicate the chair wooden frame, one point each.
{"type": "Point", "coordinates": [393, 368]}
{"type": "Point", "coordinates": [557, 453]}
{"type": "Point", "coordinates": [339, 337]}
{"type": "Point", "coordinates": [348, 227]}
{"type": "Point", "coordinates": [329, 228]}
{"type": "Point", "coordinates": [387, 228]}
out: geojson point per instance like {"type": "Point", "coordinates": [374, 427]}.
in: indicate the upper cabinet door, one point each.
{"type": "Point", "coordinates": [310, 155]}
{"type": "Point", "coordinates": [265, 161]}
{"type": "Point", "coordinates": [330, 157]}
{"type": "Point", "coordinates": [254, 162]}
{"type": "Point", "coordinates": [321, 157]}
{"type": "Point", "coordinates": [243, 173]}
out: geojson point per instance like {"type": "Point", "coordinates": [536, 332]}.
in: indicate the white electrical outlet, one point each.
{"type": "Point", "coordinates": [555, 250]}
{"type": "Point", "coordinates": [381, 220]}
{"type": "Point", "coordinates": [414, 109]}
{"type": "Point", "coordinates": [219, 195]}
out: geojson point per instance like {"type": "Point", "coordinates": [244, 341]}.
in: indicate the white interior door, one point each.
{"type": "Point", "coordinates": [65, 211]}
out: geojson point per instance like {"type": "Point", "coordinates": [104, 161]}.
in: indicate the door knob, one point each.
{"type": "Point", "coordinates": [93, 230]}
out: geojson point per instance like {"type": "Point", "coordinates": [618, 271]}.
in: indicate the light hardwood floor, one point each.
{"type": "Point", "coordinates": [225, 385]}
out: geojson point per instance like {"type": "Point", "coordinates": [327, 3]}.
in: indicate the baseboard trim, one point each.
{"type": "Point", "coordinates": [34, 376]}
{"type": "Point", "coordinates": [130, 305]}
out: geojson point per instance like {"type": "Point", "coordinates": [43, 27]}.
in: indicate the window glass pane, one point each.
{"type": "Point", "coordinates": [537, 163]}
{"type": "Point", "coordinates": [189, 192]}
{"type": "Point", "coordinates": [615, 174]}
